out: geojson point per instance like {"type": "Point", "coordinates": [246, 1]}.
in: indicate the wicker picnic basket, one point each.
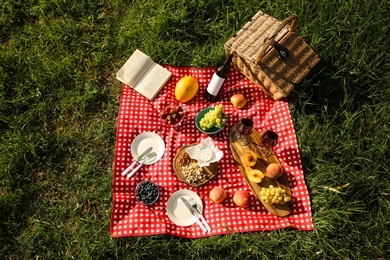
{"type": "Point", "coordinates": [269, 53]}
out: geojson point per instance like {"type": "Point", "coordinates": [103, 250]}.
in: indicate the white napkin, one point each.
{"type": "Point", "coordinates": [205, 152]}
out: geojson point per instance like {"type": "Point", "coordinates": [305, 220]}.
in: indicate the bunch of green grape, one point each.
{"type": "Point", "coordinates": [274, 195]}
{"type": "Point", "coordinates": [213, 118]}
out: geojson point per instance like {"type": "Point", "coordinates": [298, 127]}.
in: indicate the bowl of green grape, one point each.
{"type": "Point", "coordinates": [211, 120]}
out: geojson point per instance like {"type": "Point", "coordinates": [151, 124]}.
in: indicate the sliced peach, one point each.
{"type": "Point", "coordinates": [255, 176]}
{"type": "Point", "coordinates": [249, 158]}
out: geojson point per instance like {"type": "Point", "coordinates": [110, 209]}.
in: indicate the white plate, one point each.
{"type": "Point", "coordinates": [146, 140]}
{"type": "Point", "coordinates": [178, 212]}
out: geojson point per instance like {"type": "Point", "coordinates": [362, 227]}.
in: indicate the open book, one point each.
{"type": "Point", "coordinates": [142, 74]}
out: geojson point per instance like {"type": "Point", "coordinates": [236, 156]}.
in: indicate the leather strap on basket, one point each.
{"type": "Point", "coordinates": [270, 41]}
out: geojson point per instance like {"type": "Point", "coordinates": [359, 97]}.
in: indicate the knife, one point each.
{"type": "Point", "coordinates": [139, 158]}
{"type": "Point", "coordinates": [188, 205]}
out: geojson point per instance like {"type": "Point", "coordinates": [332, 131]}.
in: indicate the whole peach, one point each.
{"type": "Point", "coordinates": [242, 198]}
{"type": "Point", "coordinates": [238, 100]}
{"type": "Point", "coordinates": [217, 194]}
{"type": "Point", "coordinates": [273, 170]}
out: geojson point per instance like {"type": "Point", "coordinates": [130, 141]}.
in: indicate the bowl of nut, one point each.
{"type": "Point", "coordinates": [189, 171]}
{"type": "Point", "coordinates": [147, 192]}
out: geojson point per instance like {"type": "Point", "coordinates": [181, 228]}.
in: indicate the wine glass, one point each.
{"type": "Point", "coordinates": [244, 129]}
{"type": "Point", "coordinates": [269, 140]}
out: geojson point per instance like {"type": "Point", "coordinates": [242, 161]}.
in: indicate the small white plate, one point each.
{"type": "Point", "coordinates": [146, 140]}
{"type": "Point", "coordinates": [178, 212]}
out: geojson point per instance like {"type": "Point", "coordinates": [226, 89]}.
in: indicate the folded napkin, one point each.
{"type": "Point", "coordinates": [205, 152]}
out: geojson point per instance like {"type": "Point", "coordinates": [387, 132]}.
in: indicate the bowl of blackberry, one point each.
{"type": "Point", "coordinates": [147, 192]}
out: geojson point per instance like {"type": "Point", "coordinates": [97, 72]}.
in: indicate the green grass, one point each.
{"type": "Point", "coordinates": [60, 99]}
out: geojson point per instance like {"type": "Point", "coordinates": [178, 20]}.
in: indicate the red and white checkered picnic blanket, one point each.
{"type": "Point", "coordinates": [138, 115]}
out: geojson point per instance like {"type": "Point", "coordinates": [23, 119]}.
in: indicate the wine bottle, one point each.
{"type": "Point", "coordinates": [216, 83]}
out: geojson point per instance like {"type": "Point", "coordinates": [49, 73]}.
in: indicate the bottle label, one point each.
{"type": "Point", "coordinates": [215, 84]}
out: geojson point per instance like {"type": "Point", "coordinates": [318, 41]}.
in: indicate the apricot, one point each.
{"type": "Point", "coordinates": [273, 170]}
{"type": "Point", "coordinates": [255, 176]}
{"type": "Point", "coordinates": [242, 198]}
{"type": "Point", "coordinates": [249, 158]}
{"type": "Point", "coordinates": [217, 194]}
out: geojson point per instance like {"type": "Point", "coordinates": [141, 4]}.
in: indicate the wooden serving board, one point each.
{"type": "Point", "coordinates": [280, 210]}
{"type": "Point", "coordinates": [210, 171]}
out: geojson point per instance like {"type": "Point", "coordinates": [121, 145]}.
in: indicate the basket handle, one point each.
{"type": "Point", "coordinates": [270, 41]}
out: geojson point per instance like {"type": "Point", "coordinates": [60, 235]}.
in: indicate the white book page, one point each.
{"type": "Point", "coordinates": [153, 81]}
{"type": "Point", "coordinates": [134, 68]}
